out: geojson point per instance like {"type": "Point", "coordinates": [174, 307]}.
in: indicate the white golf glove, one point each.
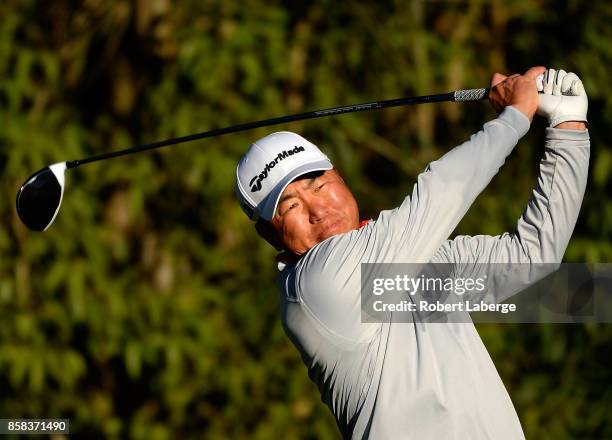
{"type": "Point", "coordinates": [562, 97]}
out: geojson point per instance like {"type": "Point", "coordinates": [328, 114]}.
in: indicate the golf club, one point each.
{"type": "Point", "coordinates": [40, 197]}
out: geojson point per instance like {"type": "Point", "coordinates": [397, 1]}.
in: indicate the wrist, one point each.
{"type": "Point", "coordinates": [525, 109]}
{"type": "Point", "coordinates": [572, 125]}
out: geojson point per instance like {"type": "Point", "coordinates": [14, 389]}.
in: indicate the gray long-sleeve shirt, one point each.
{"type": "Point", "coordinates": [428, 380]}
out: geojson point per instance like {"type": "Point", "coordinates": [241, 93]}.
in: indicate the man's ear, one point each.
{"type": "Point", "coordinates": [266, 231]}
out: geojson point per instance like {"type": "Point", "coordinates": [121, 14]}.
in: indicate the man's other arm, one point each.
{"type": "Point", "coordinates": [544, 229]}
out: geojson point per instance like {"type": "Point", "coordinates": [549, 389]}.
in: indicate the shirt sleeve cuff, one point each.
{"type": "Point", "coordinates": [516, 119]}
{"type": "Point", "coordinates": [562, 134]}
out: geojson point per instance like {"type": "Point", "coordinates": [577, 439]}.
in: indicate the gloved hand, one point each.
{"type": "Point", "coordinates": [562, 97]}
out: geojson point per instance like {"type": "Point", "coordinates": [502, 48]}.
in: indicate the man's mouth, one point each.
{"type": "Point", "coordinates": [331, 228]}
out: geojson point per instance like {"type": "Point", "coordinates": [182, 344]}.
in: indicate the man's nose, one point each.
{"type": "Point", "coordinates": [317, 208]}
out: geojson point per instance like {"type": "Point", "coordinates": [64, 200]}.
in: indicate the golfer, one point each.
{"type": "Point", "coordinates": [417, 380]}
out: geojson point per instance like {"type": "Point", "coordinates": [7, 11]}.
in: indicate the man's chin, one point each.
{"type": "Point", "coordinates": [333, 229]}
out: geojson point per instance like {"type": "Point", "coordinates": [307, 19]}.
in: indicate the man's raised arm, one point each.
{"type": "Point", "coordinates": [545, 227]}
{"type": "Point", "coordinates": [448, 186]}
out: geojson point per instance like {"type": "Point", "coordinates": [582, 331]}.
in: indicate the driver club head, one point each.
{"type": "Point", "coordinates": [40, 197]}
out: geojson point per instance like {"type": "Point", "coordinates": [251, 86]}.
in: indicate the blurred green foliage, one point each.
{"type": "Point", "coordinates": [149, 309]}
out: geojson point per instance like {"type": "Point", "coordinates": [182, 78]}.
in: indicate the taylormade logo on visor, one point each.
{"type": "Point", "coordinates": [256, 181]}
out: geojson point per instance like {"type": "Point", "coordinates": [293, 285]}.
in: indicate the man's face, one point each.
{"type": "Point", "coordinates": [313, 208]}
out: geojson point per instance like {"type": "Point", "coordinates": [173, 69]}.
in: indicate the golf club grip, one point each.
{"type": "Point", "coordinates": [471, 94]}
{"type": "Point", "coordinates": [459, 95]}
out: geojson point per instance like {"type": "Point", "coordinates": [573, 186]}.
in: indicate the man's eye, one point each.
{"type": "Point", "coordinates": [287, 208]}
{"type": "Point", "coordinates": [318, 188]}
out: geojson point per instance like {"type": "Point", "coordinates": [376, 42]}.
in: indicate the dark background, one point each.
{"type": "Point", "coordinates": [149, 309]}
